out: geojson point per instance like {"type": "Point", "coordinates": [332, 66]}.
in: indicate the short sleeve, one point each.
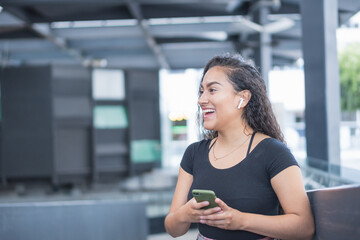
{"type": "Point", "coordinates": [187, 162]}
{"type": "Point", "coordinates": [281, 159]}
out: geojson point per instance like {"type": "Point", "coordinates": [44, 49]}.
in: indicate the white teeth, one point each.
{"type": "Point", "coordinates": [208, 110]}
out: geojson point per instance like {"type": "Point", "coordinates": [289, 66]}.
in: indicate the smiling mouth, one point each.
{"type": "Point", "coordinates": [208, 112]}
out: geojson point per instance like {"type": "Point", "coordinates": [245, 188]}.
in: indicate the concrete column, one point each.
{"type": "Point", "coordinates": [262, 54]}
{"type": "Point", "coordinates": [322, 113]}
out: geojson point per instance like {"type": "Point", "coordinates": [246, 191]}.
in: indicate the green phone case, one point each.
{"type": "Point", "coordinates": [205, 195]}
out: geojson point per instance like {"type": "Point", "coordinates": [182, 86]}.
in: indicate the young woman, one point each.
{"type": "Point", "coordinates": [243, 160]}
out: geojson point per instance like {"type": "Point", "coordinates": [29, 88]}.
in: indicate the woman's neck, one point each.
{"type": "Point", "coordinates": [235, 135]}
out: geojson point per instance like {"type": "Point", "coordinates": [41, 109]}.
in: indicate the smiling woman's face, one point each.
{"type": "Point", "coordinates": [218, 100]}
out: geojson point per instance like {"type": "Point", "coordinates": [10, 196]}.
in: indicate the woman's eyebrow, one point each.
{"type": "Point", "coordinates": [210, 84]}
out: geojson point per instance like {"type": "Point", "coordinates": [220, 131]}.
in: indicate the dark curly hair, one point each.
{"type": "Point", "coordinates": [258, 113]}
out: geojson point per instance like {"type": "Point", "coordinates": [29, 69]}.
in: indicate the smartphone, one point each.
{"type": "Point", "coordinates": [205, 195]}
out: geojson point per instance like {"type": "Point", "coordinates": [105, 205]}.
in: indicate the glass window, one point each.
{"type": "Point", "coordinates": [108, 84]}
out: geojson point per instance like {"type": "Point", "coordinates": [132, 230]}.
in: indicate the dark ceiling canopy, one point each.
{"type": "Point", "coordinates": [148, 33]}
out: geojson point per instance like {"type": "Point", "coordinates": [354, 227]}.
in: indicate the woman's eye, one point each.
{"type": "Point", "coordinates": [212, 90]}
{"type": "Point", "coordinates": [201, 92]}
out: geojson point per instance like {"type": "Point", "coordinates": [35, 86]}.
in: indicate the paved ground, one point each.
{"type": "Point", "coordinates": [191, 235]}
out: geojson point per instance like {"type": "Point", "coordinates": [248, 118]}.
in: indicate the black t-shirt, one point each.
{"type": "Point", "coordinates": [245, 186]}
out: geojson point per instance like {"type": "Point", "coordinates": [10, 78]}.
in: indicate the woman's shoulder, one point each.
{"type": "Point", "coordinates": [191, 154]}
{"type": "Point", "coordinates": [267, 142]}
{"type": "Point", "coordinates": [199, 144]}
{"type": "Point", "coordinates": [275, 154]}
{"type": "Point", "coordinates": [259, 139]}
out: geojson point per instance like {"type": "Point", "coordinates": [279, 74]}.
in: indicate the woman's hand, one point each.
{"type": "Point", "coordinates": [194, 212]}
{"type": "Point", "coordinates": [225, 219]}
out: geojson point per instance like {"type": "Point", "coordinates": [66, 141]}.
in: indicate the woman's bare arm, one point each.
{"type": "Point", "coordinates": [182, 212]}
{"type": "Point", "coordinates": [297, 222]}
{"type": "Point", "coordinates": [175, 222]}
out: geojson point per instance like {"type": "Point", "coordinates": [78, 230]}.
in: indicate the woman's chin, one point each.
{"type": "Point", "coordinates": [209, 128]}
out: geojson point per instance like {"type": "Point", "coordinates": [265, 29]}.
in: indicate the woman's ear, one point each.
{"type": "Point", "coordinates": [244, 98]}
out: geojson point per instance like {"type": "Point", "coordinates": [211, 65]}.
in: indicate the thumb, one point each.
{"type": "Point", "coordinates": [221, 204]}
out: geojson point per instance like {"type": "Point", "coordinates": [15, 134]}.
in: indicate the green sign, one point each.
{"type": "Point", "coordinates": [144, 151]}
{"type": "Point", "coordinates": [110, 117]}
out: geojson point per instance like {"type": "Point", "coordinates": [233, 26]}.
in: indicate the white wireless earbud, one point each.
{"type": "Point", "coordinates": [241, 101]}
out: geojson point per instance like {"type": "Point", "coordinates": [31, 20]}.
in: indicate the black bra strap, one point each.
{"type": "Point", "coordinates": [251, 140]}
{"type": "Point", "coordinates": [212, 144]}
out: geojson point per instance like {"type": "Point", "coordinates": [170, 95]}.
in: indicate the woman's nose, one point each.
{"type": "Point", "coordinates": [202, 99]}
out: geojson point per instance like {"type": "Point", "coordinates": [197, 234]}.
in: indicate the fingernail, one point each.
{"type": "Point", "coordinates": [202, 221]}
